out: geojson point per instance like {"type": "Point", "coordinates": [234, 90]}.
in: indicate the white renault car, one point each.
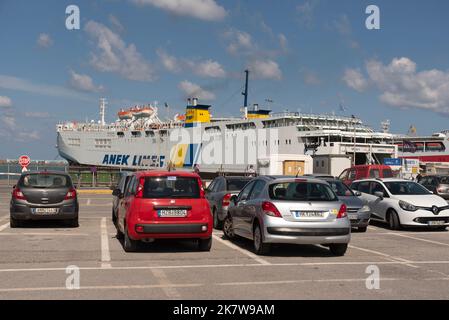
{"type": "Point", "coordinates": [403, 203]}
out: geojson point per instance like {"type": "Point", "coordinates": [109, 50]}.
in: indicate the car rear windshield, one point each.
{"type": "Point", "coordinates": [340, 188]}
{"type": "Point", "coordinates": [301, 191]}
{"type": "Point", "coordinates": [36, 180]}
{"type": "Point", "coordinates": [406, 188]}
{"type": "Point", "coordinates": [171, 187]}
{"type": "Point", "coordinates": [236, 184]}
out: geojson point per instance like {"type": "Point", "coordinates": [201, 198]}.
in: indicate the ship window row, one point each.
{"type": "Point", "coordinates": [421, 147]}
{"type": "Point", "coordinates": [76, 142]}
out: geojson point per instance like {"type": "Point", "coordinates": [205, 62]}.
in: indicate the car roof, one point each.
{"type": "Point", "coordinates": [165, 173]}
{"type": "Point", "coordinates": [46, 172]}
{"type": "Point", "coordinates": [384, 180]}
{"type": "Point", "coordinates": [276, 179]}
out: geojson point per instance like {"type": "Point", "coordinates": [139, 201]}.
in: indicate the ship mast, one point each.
{"type": "Point", "coordinates": [245, 94]}
{"type": "Point", "coordinates": [102, 111]}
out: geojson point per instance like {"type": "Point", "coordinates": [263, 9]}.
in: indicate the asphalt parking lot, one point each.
{"type": "Point", "coordinates": [413, 264]}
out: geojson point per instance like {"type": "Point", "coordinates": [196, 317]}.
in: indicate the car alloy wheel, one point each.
{"type": "Point", "coordinates": [260, 247]}
{"type": "Point", "coordinates": [228, 228]}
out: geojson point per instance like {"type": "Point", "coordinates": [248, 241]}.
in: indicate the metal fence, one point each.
{"type": "Point", "coordinates": [82, 177]}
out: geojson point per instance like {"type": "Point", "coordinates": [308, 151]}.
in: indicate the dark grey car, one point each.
{"type": "Point", "coordinates": [219, 193]}
{"type": "Point", "coordinates": [118, 190]}
{"type": "Point", "coordinates": [439, 185]}
{"type": "Point", "coordinates": [44, 196]}
{"type": "Point", "coordinates": [358, 212]}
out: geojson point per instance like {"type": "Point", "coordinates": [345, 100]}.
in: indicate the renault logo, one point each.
{"type": "Point", "coordinates": [435, 210]}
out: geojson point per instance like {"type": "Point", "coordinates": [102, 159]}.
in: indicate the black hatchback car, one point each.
{"type": "Point", "coordinates": [44, 196]}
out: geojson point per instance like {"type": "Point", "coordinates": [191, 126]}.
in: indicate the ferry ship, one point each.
{"type": "Point", "coordinates": [427, 149]}
{"type": "Point", "coordinates": [271, 143]}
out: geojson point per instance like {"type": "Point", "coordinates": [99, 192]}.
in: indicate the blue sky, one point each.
{"type": "Point", "coordinates": [304, 55]}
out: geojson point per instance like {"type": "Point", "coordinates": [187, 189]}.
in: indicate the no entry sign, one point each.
{"type": "Point", "coordinates": [24, 161]}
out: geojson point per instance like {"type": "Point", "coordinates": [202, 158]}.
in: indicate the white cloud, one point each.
{"type": "Point", "coordinates": [5, 102]}
{"type": "Point", "coordinates": [206, 68]}
{"type": "Point", "coordinates": [83, 82]}
{"type": "Point", "coordinates": [265, 69]}
{"type": "Point", "coordinates": [14, 83]}
{"type": "Point", "coordinates": [116, 24]}
{"type": "Point", "coordinates": [207, 10]}
{"type": "Point", "coordinates": [9, 129]}
{"type": "Point", "coordinates": [306, 12]}
{"type": "Point", "coordinates": [283, 42]}
{"type": "Point", "coordinates": [355, 80]}
{"type": "Point", "coordinates": [192, 90]}
{"type": "Point", "coordinates": [402, 86]}
{"type": "Point", "coordinates": [41, 115]}
{"type": "Point", "coordinates": [209, 68]}
{"type": "Point", "coordinates": [311, 78]}
{"type": "Point", "coordinates": [114, 55]}
{"type": "Point", "coordinates": [239, 42]}
{"type": "Point", "coordinates": [44, 40]}
{"type": "Point", "coordinates": [343, 26]}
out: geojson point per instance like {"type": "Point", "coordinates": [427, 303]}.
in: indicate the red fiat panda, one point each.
{"type": "Point", "coordinates": [162, 205]}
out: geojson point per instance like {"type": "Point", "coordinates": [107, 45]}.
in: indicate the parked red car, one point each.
{"type": "Point", "coordinates": [361, 172]}
{"type": "Point", "coordinates": [161, 205]}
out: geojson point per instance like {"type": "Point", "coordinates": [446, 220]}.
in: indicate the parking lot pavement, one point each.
{"type": "Point", "coordinates": [33, 261]}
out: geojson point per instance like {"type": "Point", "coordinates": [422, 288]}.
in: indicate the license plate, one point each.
{"type": "Point", "coordinates": [46, 210]}
{"type": "Point", "coordinates": [436, 223]}
{"type": "Point", "coordinates": [172, 213]}
{"type": "Point", "coordinates": [353, 217]}
{"type": "Point", "coordinates": [308, 214]}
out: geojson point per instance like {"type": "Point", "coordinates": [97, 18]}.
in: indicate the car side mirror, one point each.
{"type": "Point", "coordinates": [379, 194]}
{"type": "Point", "coordinates": [233, 199]}
{"type": "Point", "coordinates": [116, 193]}
{"type": "Point", "coordinates": [357, 193]}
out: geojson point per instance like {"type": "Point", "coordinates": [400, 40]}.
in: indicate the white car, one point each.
{"type": "Point", "coordinates": [403, 203]}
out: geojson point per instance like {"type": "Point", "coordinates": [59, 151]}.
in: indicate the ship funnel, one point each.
{"type": "Point", "coordinates": [194, 102]}
{"type": "Point", "coordinates": [256, 107]}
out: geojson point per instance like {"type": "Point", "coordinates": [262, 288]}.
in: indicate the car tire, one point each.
{"type": "Point", "coordinates": [119, 235]}
{"type": "Point", "coordinates": [260, 247]}
{"type": "Point", "coordinates": [14, 223]}
{"type": "Point", "coordinates": [114, 218]}
{"type": "Point", "coordinates": [218, 224]}
{"type": "Point", "coordinates": [362, 229]}
{"type": "Point", "coordinates": [393, 220]}
{"type": "Point", "coordinates": [228, 228]}
{"type": "Point", "coordinates": [129, 245]}
{"type": "Point", "coordinates": [205, 244]}
{"type": "Point", "coordinates": [338, 249]}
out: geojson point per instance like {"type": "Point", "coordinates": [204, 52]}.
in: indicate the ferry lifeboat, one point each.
{"type": "Point", "coordinates": [125, 115]}
{"type": "Point", "coordinates": [144, 112]}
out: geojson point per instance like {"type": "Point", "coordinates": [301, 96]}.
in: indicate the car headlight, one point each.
{"type": "Point", "coordinates": [365, 208]}
{"type": "Point", "coordinates": [407, 206]}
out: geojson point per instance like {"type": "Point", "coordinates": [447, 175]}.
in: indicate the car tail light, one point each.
{"type": "Point", "coordinates": [270, 209]}
{"type": "Point", "coordinates": [139, 191]}
{"type": "Point", "coordinates": [17, 194]}
{"type": "Point", "coordinates": [139, 229]}
{"type": "Point", "coordinates": [342, 212]}
{"type": "Point", "coordinates": [71, 194]}
{"type": "Point", "coordinates": [226, 200]}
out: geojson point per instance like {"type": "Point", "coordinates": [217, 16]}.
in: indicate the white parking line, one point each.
{"type": "Point", "coordinates": [245, 252]}
{"type": "Point", "coordinates": [218, 266]}
{"type": "Point", "coordinates": [386, 256]}
{"type": "Point", "coordinates": [105, 254]}
{"type": "Point", "coordinates": [44, 234]}
{"type": "Point", "coordinates": [3, 227]}
{"type": "Point", "coordinates": [151, 286]}
{"type": "Point", "coordinates": [168, 288]}
{"type": "Point", "coordinates": [419, 239]}
{"type": "Point", "coordinates": [88, 202]}
{"type": "Point", "coordinates": [248, 283]}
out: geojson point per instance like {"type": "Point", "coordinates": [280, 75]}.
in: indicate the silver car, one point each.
{"type": "Point", "coordinates": [289, 210]}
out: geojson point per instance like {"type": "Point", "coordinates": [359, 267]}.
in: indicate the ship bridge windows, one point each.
{"type": "Point", "coordinates": [120, 134]}
{"type": "Point", "coordinates": [74, 142]}
{"type": "Point", "coordinates": [103, 143]}
{"type": "Point", "coordinates": [214, 129]}
{"type": "Point", "coordinates": [241, 126]}
{"type": "Point", "coordinates": [149, 133]}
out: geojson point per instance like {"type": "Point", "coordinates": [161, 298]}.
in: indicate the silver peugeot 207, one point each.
{"type": "Point", "coordinates": [289, 210]}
